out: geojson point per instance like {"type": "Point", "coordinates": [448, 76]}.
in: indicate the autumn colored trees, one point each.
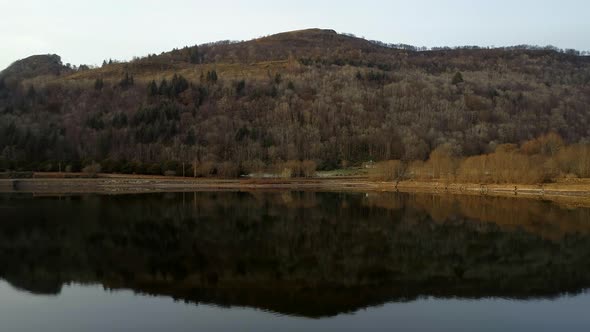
{"type": "Point", "coordinates": [539, 160]}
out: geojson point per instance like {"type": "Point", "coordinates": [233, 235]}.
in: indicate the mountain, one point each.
{"type": "Point", "coordinates": [333, 99]}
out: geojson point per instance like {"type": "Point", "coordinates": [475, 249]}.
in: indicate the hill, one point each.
{"type": "Point", "coordinates": [237, 107]}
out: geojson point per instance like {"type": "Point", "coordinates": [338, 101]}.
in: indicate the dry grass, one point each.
{"type": "Point", "coordinates": [228, 71]}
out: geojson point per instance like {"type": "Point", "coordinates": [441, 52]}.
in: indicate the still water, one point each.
{"type": "Point", "coordinates": [292, 261]}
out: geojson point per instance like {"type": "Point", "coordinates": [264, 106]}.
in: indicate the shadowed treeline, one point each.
{"type": "Point", "coordinates": [297, 253]}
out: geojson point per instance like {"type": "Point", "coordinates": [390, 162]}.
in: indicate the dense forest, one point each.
{"type": "Point", "coordinates": [299, 101]}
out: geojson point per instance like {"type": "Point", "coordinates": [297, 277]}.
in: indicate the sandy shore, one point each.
{"type": "Point", "coordinates": [573, 192]}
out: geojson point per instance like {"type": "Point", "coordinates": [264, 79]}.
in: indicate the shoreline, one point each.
{"type": "Point", "coordinates": [574, 193]}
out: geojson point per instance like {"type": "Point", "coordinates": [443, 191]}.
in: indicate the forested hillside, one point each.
{"type": "Point", "coordinates": [329, 99]}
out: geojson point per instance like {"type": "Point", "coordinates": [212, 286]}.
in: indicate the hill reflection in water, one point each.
{"type": "Point", "coordinates": [296, 253]}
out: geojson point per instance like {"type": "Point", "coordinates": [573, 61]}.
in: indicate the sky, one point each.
{"type": "Point", "coordinates": [87, 32]}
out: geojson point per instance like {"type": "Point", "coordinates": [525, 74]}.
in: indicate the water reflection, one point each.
{"type": "Point", "coordinates": [296, 253]}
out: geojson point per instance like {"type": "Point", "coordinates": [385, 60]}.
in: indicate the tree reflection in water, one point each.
{"type": "Point", "coordinates": [297, 253]}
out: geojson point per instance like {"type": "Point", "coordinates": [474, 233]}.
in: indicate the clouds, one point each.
{"type": "Point", "coordinates": [89, 31]}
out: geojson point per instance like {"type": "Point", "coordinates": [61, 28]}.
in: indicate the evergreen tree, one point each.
{"type": "Point", "coordinates": [179, 84]}
{"type": "Point", "coordinates": [194, 56]}
{"type": "Point", "coordinates": [2, 86]}
{"type": "Point", "coordinates": [458, 78]}
{"type": "Point", "coordinates": [127, 81]}
{"type": "Point", "coordinates": [240, 86]}
{"type": "Point", "coordinates": [152, 88]}
{"type": "Point", "coordinates": [31, 93]}
{"type": "Point", "coordinates": [119, 120]}
{"type": "Point", "coordinates": [164, 89]}
{"type": "Point", "coordinates": [191, 138]}
{"type": "Point", "coordinates": [212, 76]}
{"type": "Point", "coordinates": [98, 84]}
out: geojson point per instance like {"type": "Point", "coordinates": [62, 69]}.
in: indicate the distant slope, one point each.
{"type": "Point", "coordinates": [301, 43]}
{"type": "Point", "coordinates": [273, 51]}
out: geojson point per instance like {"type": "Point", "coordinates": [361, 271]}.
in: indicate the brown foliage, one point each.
{"type": "Point", "coordinates": [539, 160]}
{"type": "Point", "coordinates": [548, 145]}
{"type": "Point", "coordinates": [228, 169]}
{"type": "Point", "coordinates": [574, 160]}
{"type": "Point", "coordinates": [297, 169]}
{"type": "Point", "coordinates": [390, 170]}
{"type": "Point", "coordinates": [92, 170]}
{"type": "Point", "coordinates": [502, 167]}
{"type": "Point", "coordinates": [205, 169]}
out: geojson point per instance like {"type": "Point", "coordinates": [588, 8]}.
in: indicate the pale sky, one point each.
{"type": "Point", "coordinates": [83, 31]}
